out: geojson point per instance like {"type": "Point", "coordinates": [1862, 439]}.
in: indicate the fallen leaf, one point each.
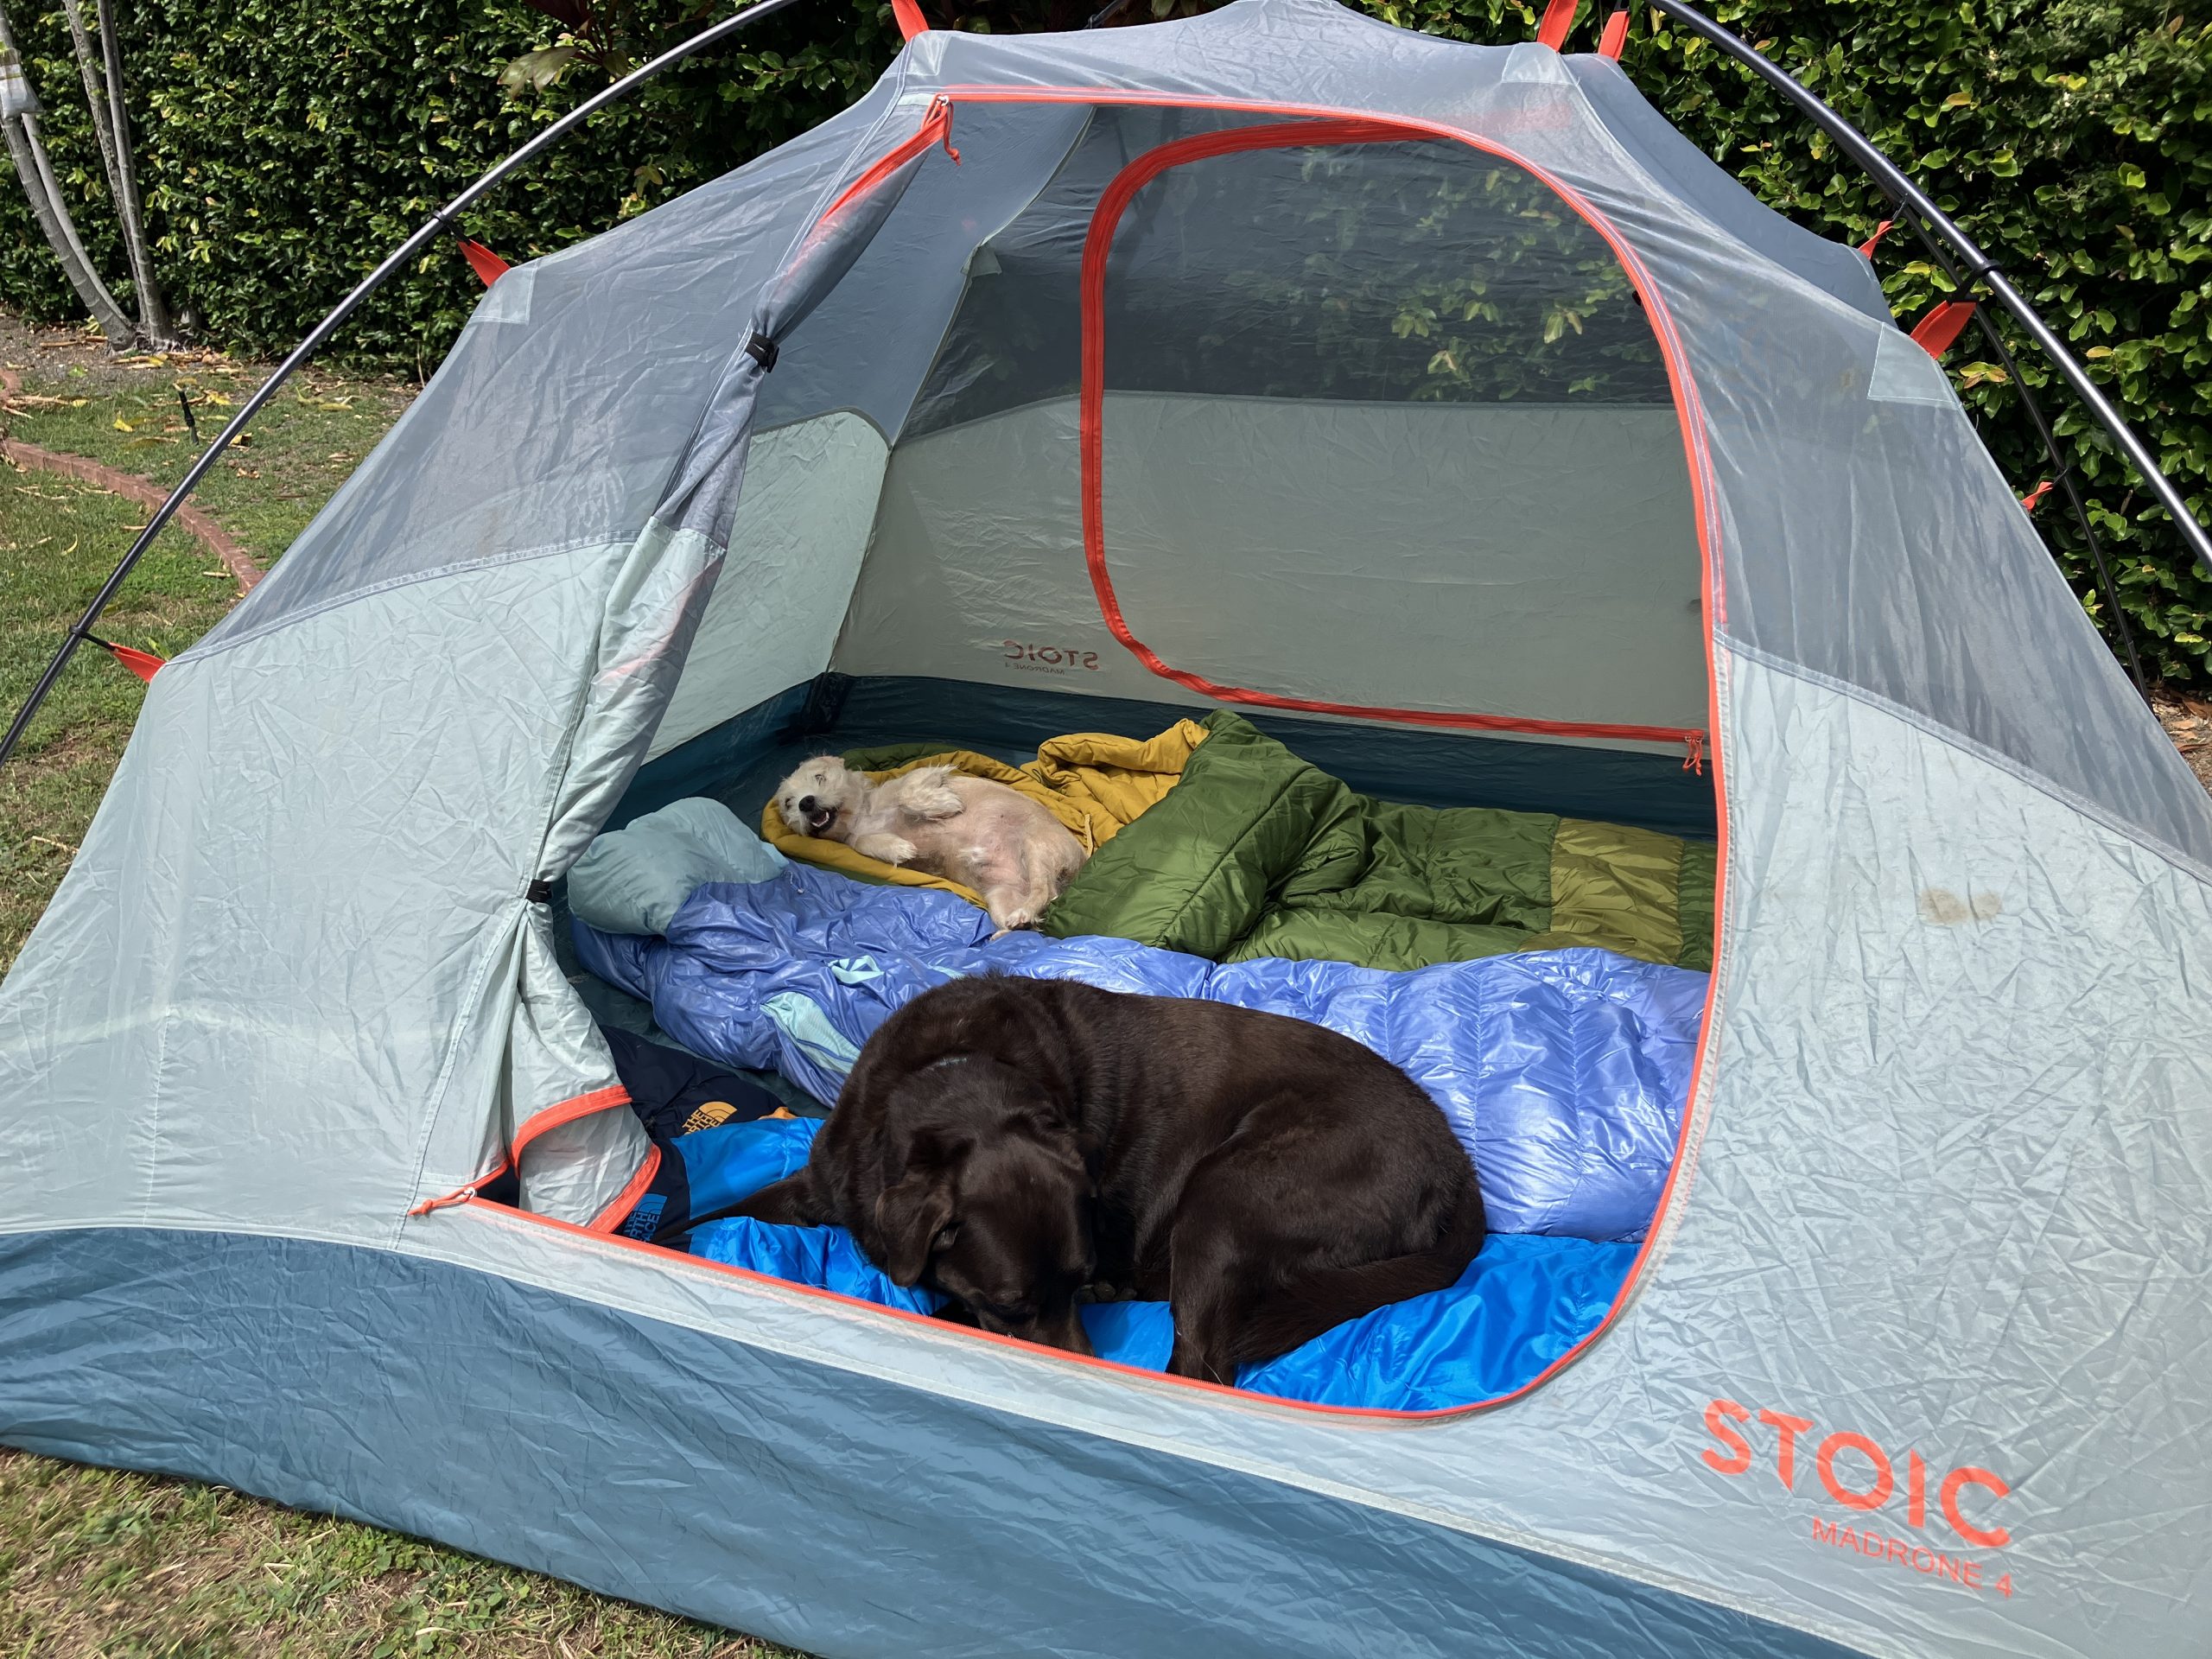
{"type": "Point", "coordinates": [220, 399]}
{"type": "Point", "coordinates": [122, 425]}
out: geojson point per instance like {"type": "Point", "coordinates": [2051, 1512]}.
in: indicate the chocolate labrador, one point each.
{"type": "Point", "coordinates": [1024, 1146]}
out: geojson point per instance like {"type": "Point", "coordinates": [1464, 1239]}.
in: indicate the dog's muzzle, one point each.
{"type": "Point", "coordinates": [818, 818]}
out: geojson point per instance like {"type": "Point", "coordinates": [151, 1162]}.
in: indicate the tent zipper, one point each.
{"type": "Point", "coordinates": [936, 128]}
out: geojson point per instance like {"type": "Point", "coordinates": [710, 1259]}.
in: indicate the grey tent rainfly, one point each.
{"type": "Point", "coordinates": [1441, 408]}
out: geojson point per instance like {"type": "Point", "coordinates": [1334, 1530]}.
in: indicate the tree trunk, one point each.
{"type": "Point", "coordinates": [153, 311]}
{"type": "Point", "coordinates": [88, 67]}
{"type": "Point", "coordinates": [28, 156]}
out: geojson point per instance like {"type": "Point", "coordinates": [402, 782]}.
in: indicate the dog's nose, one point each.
{"type": "Point", "coordinates": [806, 802]}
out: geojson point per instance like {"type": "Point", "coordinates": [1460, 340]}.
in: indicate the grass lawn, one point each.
{"type": "Point", "coordinates": [94, 1562]}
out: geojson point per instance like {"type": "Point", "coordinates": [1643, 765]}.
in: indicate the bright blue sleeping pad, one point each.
{"type": "Point", "coordinates": [1564, 1073]}
{"type": "Point", "coordinates": [1525, 1300]}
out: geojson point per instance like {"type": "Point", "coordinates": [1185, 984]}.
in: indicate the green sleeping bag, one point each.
{"type": "Point", "coordinates": [1255, 853]}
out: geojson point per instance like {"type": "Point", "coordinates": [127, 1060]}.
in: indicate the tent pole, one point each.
{"type": "Point", "coordinates": [2061, 468]}
{"type": "Point", "coordinates": [438, 224]}
{"type": "Point", "coordinates": [1976, 263]}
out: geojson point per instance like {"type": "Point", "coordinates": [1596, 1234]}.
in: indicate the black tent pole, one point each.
{"type": "Point", "coordinates": [2061, 468]}
{"type": "Point", "coordinates": [1975, 264]}
{"type": "Point", "coordinates": [439, 224]}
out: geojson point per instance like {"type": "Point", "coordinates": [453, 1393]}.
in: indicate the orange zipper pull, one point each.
{"type": "Point", "coordinates": [428, 1205]}
{"type": "Point", "coordinates": [1695, 762]}
{"type": "Point", "coordinates": [939, 126]}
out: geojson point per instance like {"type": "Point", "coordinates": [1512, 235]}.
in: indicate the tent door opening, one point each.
{"type": "Point", "coordinates": [1358, 430]}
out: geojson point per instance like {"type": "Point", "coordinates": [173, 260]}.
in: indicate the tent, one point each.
{"type": "Point", "coordinates": [1437, 403]}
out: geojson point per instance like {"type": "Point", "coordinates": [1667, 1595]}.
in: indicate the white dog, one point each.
{"type": "Point", "coordinates": [982, 835]}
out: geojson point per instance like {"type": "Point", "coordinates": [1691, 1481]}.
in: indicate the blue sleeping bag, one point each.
{"type": "Point", "coordinates": [1523, 1303]}
{"type": "Point", "coordinates": [1564, 1073]}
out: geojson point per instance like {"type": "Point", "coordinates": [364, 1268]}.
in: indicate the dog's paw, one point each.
{"type": "Point", "coordinates": [888, 849]}
{"type": "Point", "coordinates": [1009, 920]}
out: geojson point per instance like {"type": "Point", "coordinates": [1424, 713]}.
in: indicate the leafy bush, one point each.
{"type": "Point", "coordinates": [285, 149]}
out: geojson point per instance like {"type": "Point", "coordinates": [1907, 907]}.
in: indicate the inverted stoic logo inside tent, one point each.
{"type": "Point", "coordinates": [1033, 657]}
{"type": "Point", "coordinates": [1857, 1473]}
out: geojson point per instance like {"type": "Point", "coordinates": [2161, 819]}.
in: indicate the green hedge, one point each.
{"type": "Point", "coordinates": [285, 149]}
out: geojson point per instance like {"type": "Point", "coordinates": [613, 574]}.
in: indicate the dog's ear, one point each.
{"type": "Point", "coordinates": [909, 1215]}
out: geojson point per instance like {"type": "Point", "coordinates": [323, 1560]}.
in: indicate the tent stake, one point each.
{"type": "Point", "coordinates": [1976, 263]}
{"type": "Point", "coordinates": [438, 224]}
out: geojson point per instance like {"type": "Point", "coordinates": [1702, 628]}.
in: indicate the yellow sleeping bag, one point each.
{"type": "Point", "coordinates": [1093, 782]}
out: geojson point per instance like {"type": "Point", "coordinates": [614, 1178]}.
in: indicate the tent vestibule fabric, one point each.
{"type": "Point", "coordinates": [1439, 404]}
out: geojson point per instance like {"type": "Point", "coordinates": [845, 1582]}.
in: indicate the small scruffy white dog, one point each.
{"type": "Point", "coordinates": [938, 819]}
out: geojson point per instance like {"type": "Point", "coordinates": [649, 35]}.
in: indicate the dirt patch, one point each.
{"type": "Point", "coordinates": [46, 353]}
{"type": "Point", "coordinates": [2188, 721]}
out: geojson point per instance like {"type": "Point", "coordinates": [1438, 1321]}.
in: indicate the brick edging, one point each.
{"type": "Point", "coordinates": [144, 491]}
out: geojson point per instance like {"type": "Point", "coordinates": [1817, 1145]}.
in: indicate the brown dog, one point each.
{"type": "Point", "coordinates": [1022, 1146]}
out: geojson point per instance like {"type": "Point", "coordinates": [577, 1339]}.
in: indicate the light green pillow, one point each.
{"type": "Point", "coordinates": [634, 880]}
